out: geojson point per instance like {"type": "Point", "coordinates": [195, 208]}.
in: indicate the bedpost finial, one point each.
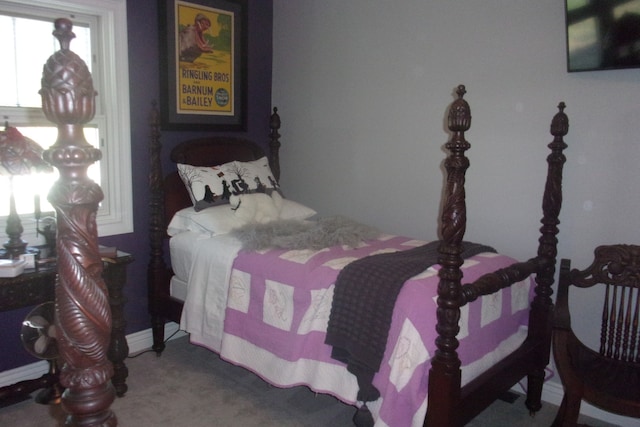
{"type": "Point", "coordinates": [154, 117]}
{"type": "Point", "coordinates": [274, 123]}
{"type": "Point", "coordinates": [560, 122]}
{"type": "Point", "coordinates": [68, 96]}
{"type": "Point", "coordinates": [63, 32]}
{"type": "Point", "coordinates": [460, 112]}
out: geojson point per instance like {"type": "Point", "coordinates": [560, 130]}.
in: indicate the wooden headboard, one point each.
{"type": "Point", "coordinates": [168, 195]}
{"type": "Point", "coordinates": [208, 151]}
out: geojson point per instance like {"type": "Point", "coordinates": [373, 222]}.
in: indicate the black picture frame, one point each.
{"type": "Point", "coordinates": [602, 35]}
{"type": "Point", "coordinates": [203, 69]}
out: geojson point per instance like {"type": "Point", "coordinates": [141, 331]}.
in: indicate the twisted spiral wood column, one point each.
{"type": "Point", "coordinates": [83, 316]}
{"type": "Point", "coordinates": [541, 316]}
{"type": "Point", "coordinates": [444, 374]}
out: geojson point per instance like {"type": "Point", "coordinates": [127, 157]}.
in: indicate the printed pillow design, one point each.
{"type": "Point", "coordinates": [213, 185]}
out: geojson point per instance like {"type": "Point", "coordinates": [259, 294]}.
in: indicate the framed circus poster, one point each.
{"type": "Point", "coordinates": [203, 50]}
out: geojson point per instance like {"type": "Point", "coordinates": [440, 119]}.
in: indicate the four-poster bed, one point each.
{"type": "Point", "coordinates": [82, 308]}
{"type": "Point", "coordinates": [454, 397]}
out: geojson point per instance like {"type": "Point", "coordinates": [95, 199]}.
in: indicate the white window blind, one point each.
{"type": "Point", "coordinates": [100, 27]}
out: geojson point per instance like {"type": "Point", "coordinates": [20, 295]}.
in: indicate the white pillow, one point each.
{"type": "Point", "coordinates": [295, 210]}
{"type": "Point", "coordinates": [221, 220]}
{"type": "Point", "coordinates": [213, 220]}
{"type": "Point", "coordinates": [257, 207]}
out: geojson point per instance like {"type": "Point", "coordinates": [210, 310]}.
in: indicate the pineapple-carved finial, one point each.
{"type": "Point", "coordinates": [274, 123]}
{"type": "Point", "coordinates": [460, 112]}
{"type": "Point", "coordinates": [560, 122]}
{"type": "Point", "coordinates": [67, 92]}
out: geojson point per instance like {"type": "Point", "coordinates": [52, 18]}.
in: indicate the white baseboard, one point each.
{"type": "Point", "coordinates": [143, 340]}
{"type": "Point", "coordinates": [552, 392]}
{"type": "Point", "coordinates": [139, 341]}
{"type": "Point", "coordinates": [27, 372]}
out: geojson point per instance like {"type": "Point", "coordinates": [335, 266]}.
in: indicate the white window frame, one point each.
{"type": "Point", "coordinates": [111, 68]}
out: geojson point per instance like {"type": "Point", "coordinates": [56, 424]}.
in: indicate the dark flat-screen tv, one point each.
{"type": "Point", "coordinates": [602, 34]}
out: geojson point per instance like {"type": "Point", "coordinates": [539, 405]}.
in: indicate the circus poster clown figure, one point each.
{"type": "Point", "coordinates": [205, 59]}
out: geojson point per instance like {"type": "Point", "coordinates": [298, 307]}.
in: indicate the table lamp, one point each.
{"type": "Point", "coordinates": [19, 155]}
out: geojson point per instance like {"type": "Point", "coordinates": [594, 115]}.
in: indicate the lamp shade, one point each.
{"type": "Point", "coordinates": [20, 155]}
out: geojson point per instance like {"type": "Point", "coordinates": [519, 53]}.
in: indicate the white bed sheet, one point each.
{"type": "Point", "coordinates": [203, 263]}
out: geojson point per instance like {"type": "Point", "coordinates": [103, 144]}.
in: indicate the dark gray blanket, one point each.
{"type": "Point", "coordinates": [365, 294]}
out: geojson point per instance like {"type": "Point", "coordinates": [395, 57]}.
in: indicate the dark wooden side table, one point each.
{"type": "Point", "coordinates": [37, 286]}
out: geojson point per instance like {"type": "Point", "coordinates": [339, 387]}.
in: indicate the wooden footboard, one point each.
{"type": "Point", "coordinates": [449, 403]}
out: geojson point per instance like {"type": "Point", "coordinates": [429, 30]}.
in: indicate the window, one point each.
{"type": "Point", "coordinates": [100, 27]}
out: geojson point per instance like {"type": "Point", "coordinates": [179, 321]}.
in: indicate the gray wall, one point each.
{"type": "Point", "coordinates": [363, 86]}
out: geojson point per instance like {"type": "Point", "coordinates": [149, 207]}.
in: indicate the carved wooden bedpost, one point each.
{"type": "Point", "coordinates": [274, 144]}
{"type": "Point", "coordinates": [444, 374]}
{"type": "Point", "coordinates": [83, 316]}
{"type": "Point", "coordinates": [157, 267]}
{"type": "Point", "coordinates": [541, 317]}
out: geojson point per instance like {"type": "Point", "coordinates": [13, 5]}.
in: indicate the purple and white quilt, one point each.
{"type": "Point", "coordinates": [278, 307]}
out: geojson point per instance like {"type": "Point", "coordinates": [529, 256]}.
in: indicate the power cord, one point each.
{"type": "Point", "coordinates": [150, 350]}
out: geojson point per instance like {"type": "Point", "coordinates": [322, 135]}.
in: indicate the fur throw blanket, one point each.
{"type": "Point", "coordinates": [296, 234]}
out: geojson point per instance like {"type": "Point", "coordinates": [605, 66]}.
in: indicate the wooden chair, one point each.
{"type": "Point", "coordinates": [610, 377]}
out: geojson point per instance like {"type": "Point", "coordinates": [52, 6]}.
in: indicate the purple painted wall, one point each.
{"type": "Point", "coordinates": [144, 63]}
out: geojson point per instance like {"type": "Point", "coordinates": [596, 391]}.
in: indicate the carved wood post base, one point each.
{"type": "Point", "coordinates": [82, 405]}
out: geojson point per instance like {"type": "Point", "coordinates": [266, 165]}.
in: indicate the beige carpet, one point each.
{"type": "Point", "coordinates": [190, 386]}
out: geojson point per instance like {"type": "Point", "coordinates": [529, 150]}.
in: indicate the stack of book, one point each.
{"type": "Point", "coordinates": [11, 267]}
{"type": "Point", "coordinates": [108, 251]}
